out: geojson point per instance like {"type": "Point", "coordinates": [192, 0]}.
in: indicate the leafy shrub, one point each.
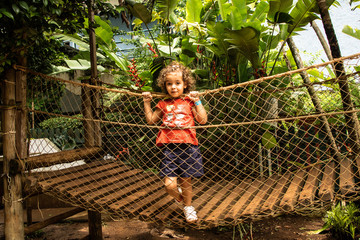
{"type": "Point", "coordinates": [62, 122]}
{"type": "Point", "coordinates": [343, 221]}
{"type": "Point", "coordinates": [64, 142]}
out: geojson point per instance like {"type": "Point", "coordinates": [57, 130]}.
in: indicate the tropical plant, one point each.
{"type": "Point", "coordinates": [25, 25]}
{"type": "Point", "coordinates": [354, 32]}
{"type": "Point", "coordinates": [342, 221]}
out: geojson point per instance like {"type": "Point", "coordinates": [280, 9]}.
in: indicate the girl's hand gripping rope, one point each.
{"type": "Point", "coordinates": [151, 116]}
{"type": "Point", "coordinates": [194, 96]}
{"type": "Point", "coordinates": [147, 97]}
{"type": "Point", "coordinates": [199, 110]}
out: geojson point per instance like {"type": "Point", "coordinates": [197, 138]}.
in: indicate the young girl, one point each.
{"type": "Point", "coordinates": [181, 155]}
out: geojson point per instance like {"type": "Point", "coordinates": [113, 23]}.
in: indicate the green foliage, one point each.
{"type": "Point", "coordinates": [106, 52]}
{"type": "Point", "coordinates": [354, 32]}
{"type": "Point", "coordinates": [62, 122]}
{"type": "Point", "coordinates": [45, 95]}
{"type": "Point", "coordinates": [343, 221]}
{"type": "Point", "coordinates": [25, 24]}
{"type": "Point", "coordinates": [64, 142]}
{"type": "Point", "coordinates": [166, 8]}
{"type": "Point", "coordinates": [356, 5]}
{"type": "Point", "coordinates": [139, 11]}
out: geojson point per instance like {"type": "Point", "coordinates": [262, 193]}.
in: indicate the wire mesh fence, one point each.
{"type": "Point", "coordinates": [271, 146]}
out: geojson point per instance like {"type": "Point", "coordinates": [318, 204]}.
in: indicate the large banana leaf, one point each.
{"type": "Point", "coordinates": [260, 13]}
{"type": "Point", "coordinates": [246, 41]}
{"type": "Point", "coordinates": [139, 11]}
{"type": "Point", "coordinates": [216, 32]}
{"type": "Point", "coordinates": [238, 15]}
{"type": "Point", "coordinates": [166, 7]}
{"type": "Point", "coordinates": [304, 12]}
{"type": "Point", "coordinates": [276, 6]}
{"type": "Point", "coordinates": [193, 11]}
{"type": "Point", "coordinates": [225, 8]}
{"type": "Point", "coordinates": [104, 31]}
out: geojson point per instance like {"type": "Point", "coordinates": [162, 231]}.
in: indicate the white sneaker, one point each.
{"type": "Point", "coordinates": [190, 214]}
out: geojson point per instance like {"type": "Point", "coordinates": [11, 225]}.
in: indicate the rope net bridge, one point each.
{"type": "Point", "coordinates": [275, 145]}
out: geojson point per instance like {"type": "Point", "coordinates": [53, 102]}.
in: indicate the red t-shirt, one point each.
{"type": "Point", "coordinates": [177, 113]}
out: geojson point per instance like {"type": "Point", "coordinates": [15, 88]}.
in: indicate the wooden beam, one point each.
{"type": "Point", "coordinates": [40, 225]}
{"type": "Point", "coordinates": [50, 159]}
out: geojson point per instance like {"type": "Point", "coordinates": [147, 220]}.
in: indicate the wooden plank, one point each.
{"type": "Point", "coordinates": [327, 183]}
{"type": "Point", "coordinates": [101, 183]}
{"type": "Point", "coordinates": [198, 200]}
{"type": "Point", "coordinates": [306, 196]}
{"type": "Point", "coordinates": [242, 202]}
{"type": "Point", "coordinates": [205, 197]}
{"type": "Point", "coordinates": [347, 182]}
{"type": "Point", "coordinates": [173, 207]}
{"type": "Point", "coordinates": [138, 196]}
{"type": "Point", "coordinates": [274, 197]}
{"type": "Point", "coordinates": [200, 197]}
{"type": "Point", "coordinates": [60, 172]}
{"type": "Point", "coordinates": [226, 204]}
{"type": "Point", "coordinates": [145, 202]}
{"type": "Point", "coordinates": [215, 200]}
{"type": "Point", "coordinates": [126, 191]}
{"type": "Point", "coordinates": [156, 207]}
{"type": "Point", "coordinates": [162, 203]}
{"type": "Point", "coordinates": [290, 197]}
{"type": "Point", "coordinates": [71, 176]}
{"type": "Point", "coordinates": [126, 179]}
{"type": "Point", "coordinates": [90, 178]}
{"type": "Point", "coordinates": [263, 192]}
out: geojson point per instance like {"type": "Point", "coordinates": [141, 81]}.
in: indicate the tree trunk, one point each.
{"type": "Point", "coordinates": [322, 40]}
{"type": "Point", "coordinates": [352, 123]}
{"type": "Point", "coordinates": [315, 100]}
{"type": "Point", "coordinates": [95, 230]}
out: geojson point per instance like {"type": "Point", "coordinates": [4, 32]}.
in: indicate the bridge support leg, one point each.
{"type": "Point", "coordinates": [95, 227]}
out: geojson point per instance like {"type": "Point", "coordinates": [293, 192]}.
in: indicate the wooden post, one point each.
{"type": "Point", "coordinates": [14, 219]}
{"type": "Point", "coordinates": [95, 228]}
{"type": "Point", "coordinates": [87, 114]}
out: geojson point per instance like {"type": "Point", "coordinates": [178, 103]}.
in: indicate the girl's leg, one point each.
{"type": "Point", "coordinates": [171, 188]}
{"type": "Point", "coordinates": [186, 188]}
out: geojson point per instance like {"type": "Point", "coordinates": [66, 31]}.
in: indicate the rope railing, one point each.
{"type": "Point", "coordinates": [265, 148]}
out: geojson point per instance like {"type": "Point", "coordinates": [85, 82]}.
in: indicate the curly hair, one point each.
{"type": "Point", "coordinates": [187, 76]}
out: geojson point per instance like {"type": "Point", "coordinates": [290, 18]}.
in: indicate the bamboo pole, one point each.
{"type": "Point", "coordinates": [13, 207]}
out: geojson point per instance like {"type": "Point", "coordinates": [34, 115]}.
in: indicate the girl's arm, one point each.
{"type": "Point", "coordinates": [198, 110]}
{"type": "Point", "coordinates": [151, 116]}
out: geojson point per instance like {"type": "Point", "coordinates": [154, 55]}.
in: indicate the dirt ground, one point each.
{"type": "Point", "coordinates": [280, 228]}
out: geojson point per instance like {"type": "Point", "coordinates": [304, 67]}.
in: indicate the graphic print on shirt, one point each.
{"type": "Point", "coordinates": [175, 116]}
